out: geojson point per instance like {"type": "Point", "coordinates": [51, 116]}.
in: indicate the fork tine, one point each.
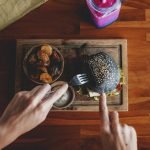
{"type": "Point", "coordinates": [83, 79]}
{"type": "Point", "coordinates": [82, 75]}
{"type": "Point", "coordinates": [79, 79]}
{"type": "Point", "coordinates": [83, 82]}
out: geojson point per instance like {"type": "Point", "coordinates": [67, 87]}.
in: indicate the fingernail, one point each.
{"type": "Point", "coordinates": [65, 85]}
{"type": "Point", "coordinates": [47, 86]}
{"type": "Point", "coordinates": [115, 114]}
{"type": "Point", "coordinates": [103, 95]}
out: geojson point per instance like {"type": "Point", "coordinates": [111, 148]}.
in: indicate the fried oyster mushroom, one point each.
{"type": "Point", "coordinates": [46, 78]}
{"type": "Point", "coordinates": [43, 57]}
{"type": "Point", "coordinates": [47, 49]}
{"type": "Point", "coordinates": [43, 69]}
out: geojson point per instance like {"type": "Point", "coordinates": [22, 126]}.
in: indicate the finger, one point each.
{"type": "Point", "coordinates": [115, 125]}
{"type": "Point", "coordinates": [50, 100]}
{"type": "Point", "coordinates": [133, 133]}
{"type": "Point", "coordinates": [39, 93]}
{"type": "Point", "coordinates": [133, 138]}
{"type": "Point", "coordinates": [104, 112]}
{"type": "Point", "coordinates": [126, 134]}
{"type": "Point", "coordinates": [34, 90]}
{"type": "Point", "coordinates": [19, 95]}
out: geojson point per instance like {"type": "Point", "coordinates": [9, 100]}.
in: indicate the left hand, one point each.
{"type": "Point", "coordinates": [27, 110]}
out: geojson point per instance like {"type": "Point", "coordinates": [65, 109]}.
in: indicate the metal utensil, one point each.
{"type": "Point", "coordinates": [79, 79]}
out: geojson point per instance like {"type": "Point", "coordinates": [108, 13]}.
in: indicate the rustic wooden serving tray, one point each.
{"type": "Point", "coordinates": [70, 49]}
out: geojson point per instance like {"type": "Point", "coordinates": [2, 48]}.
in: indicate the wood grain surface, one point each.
{"type": "Point", "coordinates": [70, 19]}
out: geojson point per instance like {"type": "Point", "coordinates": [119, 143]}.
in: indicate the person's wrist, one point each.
{"type": "Point", "coordinates": [3, 134]}
{"type": "Point", "coordinates": [7, 134]}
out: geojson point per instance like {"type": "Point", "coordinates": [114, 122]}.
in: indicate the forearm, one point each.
{"type": "Point", "coordinates": [6, 135]}
{"type": "Point", "coordinates": [3, 134]}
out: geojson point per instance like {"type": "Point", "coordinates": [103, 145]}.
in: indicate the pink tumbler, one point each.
{"type": "Point", "coordinates": [104, 12]}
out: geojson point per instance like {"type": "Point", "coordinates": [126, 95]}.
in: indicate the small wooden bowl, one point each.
{"type": "Point", "coordinates": [67, 99]}
{"type": "Point", "coordinates": [25, 63]}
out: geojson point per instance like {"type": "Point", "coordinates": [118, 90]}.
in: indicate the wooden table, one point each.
{"type": "Point", "coordinates": [69, 19]}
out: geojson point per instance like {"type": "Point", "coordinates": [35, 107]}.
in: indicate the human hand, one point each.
{"type": "Point", "coordinates": [114, 136]}
{"type": "Point", "coordinates": [27, 110]}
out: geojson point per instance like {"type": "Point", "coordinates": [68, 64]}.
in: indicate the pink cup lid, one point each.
{"type": "Point", "coordinates": [105, 5]}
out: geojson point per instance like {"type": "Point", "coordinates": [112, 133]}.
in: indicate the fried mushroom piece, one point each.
{"type": "Point", "coordinates": [46, 78]}
{"type": "Point", "coordinates": [47, 49]}
{"type": "Point", "coordinates": [43, 69]}
{"type": "Point", "coordinates": [43, 57]}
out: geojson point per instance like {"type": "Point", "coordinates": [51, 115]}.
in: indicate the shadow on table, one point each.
{"type": "Point", "coordinates": [84, 13]}
{"type": "Point", "coordinates": [93, 143]}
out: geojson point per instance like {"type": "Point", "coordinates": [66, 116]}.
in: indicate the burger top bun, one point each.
{"type": "Point", "coordinates": [103, 72]}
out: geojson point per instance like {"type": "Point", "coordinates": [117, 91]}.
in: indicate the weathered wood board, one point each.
{"type": "Point", "coordinates": [70, 49]}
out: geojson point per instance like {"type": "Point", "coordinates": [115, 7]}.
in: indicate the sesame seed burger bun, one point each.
{"type": "Point", "coordinates": [103, 72]}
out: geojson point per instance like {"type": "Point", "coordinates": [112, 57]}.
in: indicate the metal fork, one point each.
{"type": "Point", "coordinates": [79, 79]}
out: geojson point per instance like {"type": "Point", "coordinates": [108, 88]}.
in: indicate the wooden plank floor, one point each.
{"type": "Point", "coordinates": [70, 19]}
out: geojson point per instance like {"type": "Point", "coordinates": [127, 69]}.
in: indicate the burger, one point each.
{"type": "Point", "coordinates": [104, 74]}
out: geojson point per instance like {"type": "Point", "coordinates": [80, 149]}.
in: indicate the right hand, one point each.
{"type": "Point", "coordinates": [114, 136]}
